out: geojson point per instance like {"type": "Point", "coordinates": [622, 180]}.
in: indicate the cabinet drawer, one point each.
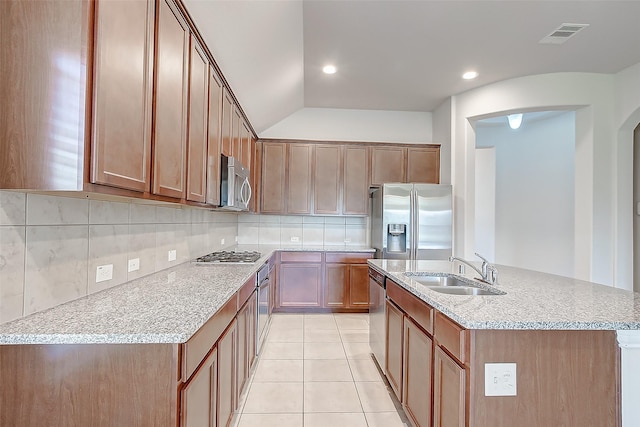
{"type": "Point", "coordinates": [198, 346]}
{"type": "Point", "coordinates": [348, 257]}
{"type": "Point", "coordinates": [419, 311]}
{"type": "Point", "coordinates": [452, 337]}
{"type": "Point", "coordinates": [245, 291]}
{"type": "Point", "coordinates": [301, 256]}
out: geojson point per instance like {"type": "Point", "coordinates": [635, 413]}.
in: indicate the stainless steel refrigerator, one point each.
{"type": "Point", "coordinates": [412, 221]}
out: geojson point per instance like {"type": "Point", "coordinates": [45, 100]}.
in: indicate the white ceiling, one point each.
{"type": "Point", "coordinates": [401, 55]}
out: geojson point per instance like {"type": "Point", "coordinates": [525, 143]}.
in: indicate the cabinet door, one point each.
{"type": "Point", "coordinates": [299, 163]}
{"type": "Point", "coordinates": [449, 389]}
{"type": "Point", "coordinates": [256, 170]}
{"type": "Point", "coordinates": [300, 285]}
{"type": "Point", "coordinates": [394, 319]}
{"type": "Point", "coordinates": [227, 123]}
{"type": "Point", "coordinates": [416, 379]}
{"type": "Point", "coordinates": [245, 145]}
{"type": "Point", "coordinates": [336, 286]}
{"type": "Point", "coordinates": [423, 165]}
{"type": "Point", "coordinates": [327, 179]}
{"type": "Point", "coordinates": [387, 165]}
{"type": "Point", "coordinates": [170, 130]}
{"type": "Point", "coordinates": [252, 319]}
{"type": "Point", "coordinates": [227, 375]}
{"type": "Point", "coordinates": [122, 90]}
{"type": "Point", "coordinates": [198, 120]}
{"type": "Point", "coordinates": [273, 178]}
{"type": "Point", "coordinates": [214, 138]}
{"type": "Point", "coordinates": [246, 342]}
{"type": "Point", "coordinates": [236, 138]}
{"type": "Point", "coordinates": [359, 286]}
{"type": "Point", "coordinates": [199, 395]}
{"type": "Point", "coordinates": [355, 185]}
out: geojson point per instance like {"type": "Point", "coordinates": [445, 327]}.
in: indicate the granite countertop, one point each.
{"type": "Point", "coordinates": [533, 300]}
{"type": "Point", "coordinates": [165, 307]}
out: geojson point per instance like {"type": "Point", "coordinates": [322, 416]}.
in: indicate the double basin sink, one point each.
{"type": "Point", "coordinates": [453, 285]}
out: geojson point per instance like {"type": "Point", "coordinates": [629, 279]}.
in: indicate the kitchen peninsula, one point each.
{"type": "Point", "coordinates": [544, 353]}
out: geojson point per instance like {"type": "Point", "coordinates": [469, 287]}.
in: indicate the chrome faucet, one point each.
{"type": "Point", "coordinates": [488, 272]}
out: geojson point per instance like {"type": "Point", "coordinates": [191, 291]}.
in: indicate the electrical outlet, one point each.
{"type": "Point", "coordinates": [171, 277]}
{"type": "Point", "coordinates": [347, 240]}
{"type": "Point", "coordinates": [134, 265]}
{"type": "Point", "coordinates": [172, 255]}
{"type": "Point", "coordinates": [222, 241]}
{"type": "Point", "coordinates": [500, 379]}
{"type": "Point", "coordinates": [104, 273]}
{"type": "Point", "coordinates": [236, 239]}
{"type": "Point", "coordinates": [295, 239]}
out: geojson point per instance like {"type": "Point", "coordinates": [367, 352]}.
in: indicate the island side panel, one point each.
{"type": "Point", "coordinates": [89, 385]}
{"type": "Point", "coordinates": [564, 378]}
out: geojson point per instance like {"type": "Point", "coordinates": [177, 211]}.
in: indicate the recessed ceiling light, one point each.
{"type": "Point", "coordinates": [329, 69]}
{"type": "Point", "coordinates": [470, 75]}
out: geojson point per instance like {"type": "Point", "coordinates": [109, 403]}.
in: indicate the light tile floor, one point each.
{"type": "Point", "coordinates": [316, 370]}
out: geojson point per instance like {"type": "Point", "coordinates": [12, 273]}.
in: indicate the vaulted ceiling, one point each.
{"type": "Point", "coordinates": [401, 55]}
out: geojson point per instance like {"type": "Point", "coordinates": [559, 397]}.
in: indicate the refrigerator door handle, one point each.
{"type": "Point", "coordinates": [414, 234]}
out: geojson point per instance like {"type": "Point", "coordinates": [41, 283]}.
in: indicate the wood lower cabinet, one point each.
{"type": "Point", "coordinates": [449, 390]}
{"type": "Point", "coordinates": [394, 320]}
{"type": "Point", "coordinates": [198, 121]}
{"type": "Point", "coordinates": [300, 280]}
{"type": "Point", "coordinates": [200, 395]}
{"type": "Point", "coordinates": [416, 375]}
{"type": "Point", "coordinates": [227, 354]}
{"type": "Point", "coordinates": [246, 342]}
{"type": "Point", "coordinates": [171, 96]}
{"type": "Point", "coordinates": [121, 130]}
{"type": "Point", "coordinates": [346, 281]}
{"type": "Point", "coordinates": [227, 124]}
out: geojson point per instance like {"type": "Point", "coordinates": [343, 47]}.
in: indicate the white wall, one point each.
{"type": "Point", "coordinates": [534, 192]}
{"type": "Point", "coordinates": [50, 246]}
{"type": "Point", "coordinates": [329, 124]}
{"type": "Point", "coordinates": [592, 97]}
{"type": "Point", "coordinates": [442, 133]}
{"type": "Point", "coordinates": [485, 221]}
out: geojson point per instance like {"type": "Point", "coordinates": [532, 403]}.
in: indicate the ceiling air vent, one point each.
{"type": "Point", "coordinates": [563, 33]}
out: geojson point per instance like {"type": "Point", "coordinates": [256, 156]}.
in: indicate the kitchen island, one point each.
{"type": "Point", "coordinates": [543, 353]}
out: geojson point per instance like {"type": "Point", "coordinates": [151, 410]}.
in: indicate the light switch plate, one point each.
{"type": "Point", "coordinates": [295, 239]}
{"type": "Point", "coordinates": [104, 273]}
{"type": "Point", "coordinates": [222, 241]}
{"type": "Point", "coordinates": [134, 265]}
{"type": "Point", "coordinates": [172, 255]}
{"type": "Point", "coordinates": [500, 379]}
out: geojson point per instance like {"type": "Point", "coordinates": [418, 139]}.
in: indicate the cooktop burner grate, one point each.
{"type": "Point", "coordinates": [230, 257]}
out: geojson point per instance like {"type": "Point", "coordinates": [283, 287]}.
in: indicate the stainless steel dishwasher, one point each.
{"type": "Point", "coordinates": [377, 294]}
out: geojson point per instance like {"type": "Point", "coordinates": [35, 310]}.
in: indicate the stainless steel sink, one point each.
{"type": "Point", "coordinates": [463, 290]}
{"type": "Point", "coordinates": [452, 285]}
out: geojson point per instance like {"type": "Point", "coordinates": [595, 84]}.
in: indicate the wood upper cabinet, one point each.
{"type": "Point", "coordinates": [387, 164]}
{"type": "Point", "coordinates": [198, 122]}
{"type": "Point", "coordinates": [327, 179]}
{"type": "Point", "coordinates": [449, 391]}
{"type": "Point", "coordinates": [236, 137]}
{"type": "Point", "coordinates": [423, 165]}
{"type": "Point", "coordinates": [355, 182]}
{"type": "Point", "coordinates": [199, 395]}
{"type": "Point", "coordinates": [256, 172]}
{"type": "Point", "coordinates": [416, 375]}
{"type": "Point", "coordinates": [214, 138]}
{"type": "Point", "coordinates": [394, 321]}
{"type": "Point", "coordinates": [44, 66]}
{"type": "Point", "coordinates": [246, 153]}
{"type": "Point", "coordinates": [122, 94]}
{"type": "Point", "coordinates": [274, 160]}
{"type": "Point", "coordinates": [227, 123]}
{"type": "Point", "coordinates": [299, 164]}
{"type": "Point", "coordinates": [171, 94]}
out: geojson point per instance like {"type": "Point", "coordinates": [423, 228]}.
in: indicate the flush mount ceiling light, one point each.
{"type": "Point", "coordinates": [515, 120]}
{"type": "Point", "coordinates": [470, 75]}
{"type": "Point", "coordinates": [329, 69]}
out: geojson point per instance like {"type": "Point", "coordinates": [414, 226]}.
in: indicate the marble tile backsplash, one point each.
{"type": "Point", "coordinates": [292, 231]}
{"type": "Point", "coordinates": [51, 246]}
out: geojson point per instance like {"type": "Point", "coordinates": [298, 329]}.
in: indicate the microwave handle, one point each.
{"type": "Point", "coordinates": [249, 190]}
{"type": "Point", "coordinates": [245, 184]}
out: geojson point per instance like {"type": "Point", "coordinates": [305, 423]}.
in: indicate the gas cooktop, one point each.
{"type": "Point", "coordinates": [229, 257]}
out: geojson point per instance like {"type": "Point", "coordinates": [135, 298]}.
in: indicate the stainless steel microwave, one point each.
{"type": "Point", "coordinates": [235, 187]}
